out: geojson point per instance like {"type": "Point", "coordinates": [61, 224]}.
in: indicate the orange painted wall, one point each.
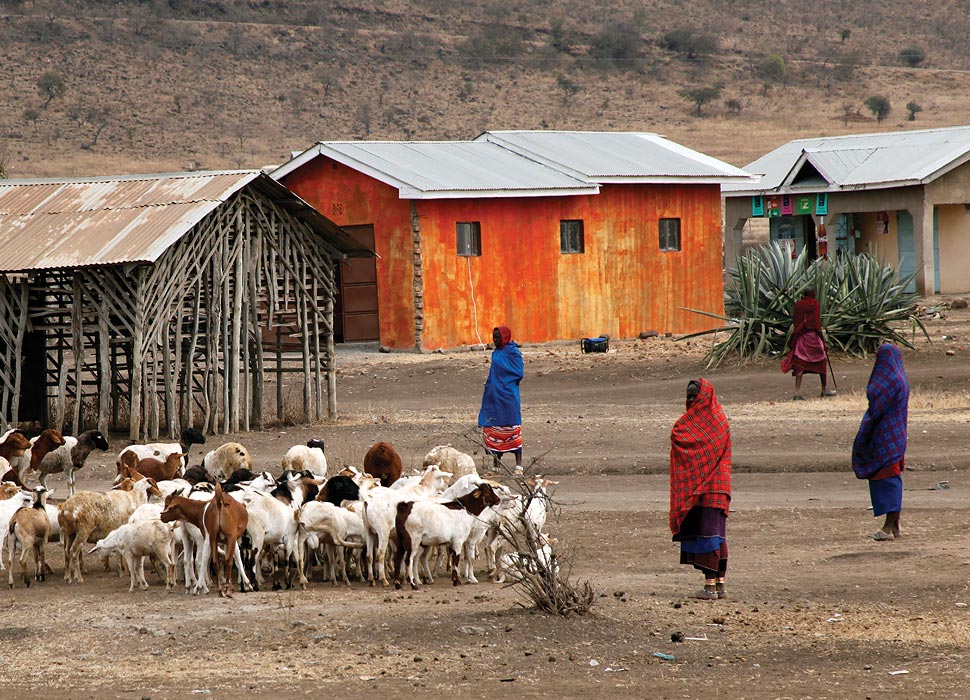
{"type": "Point", "coordinates": [349, 198]}
{"type": "Point", "coordinates": [621, 285]}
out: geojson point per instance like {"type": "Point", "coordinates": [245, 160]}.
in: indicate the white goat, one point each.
{"type": "Point", "coordinates": [134, 542]}
{"type": "Point", "coordinates": [334, 527]}
{"type": "Point", "coordinates": [380, 511]}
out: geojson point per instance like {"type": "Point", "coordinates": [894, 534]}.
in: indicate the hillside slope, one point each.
{"type": "Point", "coordinates": [185, 84]}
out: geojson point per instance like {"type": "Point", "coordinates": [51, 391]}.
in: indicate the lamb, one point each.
{"type": "Point", "coordinates": [383, 461]}
{"type": "Point", "coordinates": [29, 529]}
{"type": "Point", "coordinates": [69, 457]}
{"type": "Point", "coordinates": [226, 459]}
{"type": "Point", "coordinates": [161, 450]}
{"type": "Point", "coordinates": [307, 457]}
{"type": "Point", "coordinates": [136, 541]}
{"type": "Point", "coordinates": [88, 516]}
{"type": "Point", "coordinates": [451, 460]}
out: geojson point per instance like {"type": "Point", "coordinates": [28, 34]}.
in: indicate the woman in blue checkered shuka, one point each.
{"type": "Point", "coordinates": [879, 450]}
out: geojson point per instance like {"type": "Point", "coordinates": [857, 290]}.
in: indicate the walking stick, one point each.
{"type": "Point", "coordinates": [831, 371]}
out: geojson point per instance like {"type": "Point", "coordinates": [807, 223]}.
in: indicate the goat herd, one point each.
{"type": "Point", "coordinates": [198, 522]}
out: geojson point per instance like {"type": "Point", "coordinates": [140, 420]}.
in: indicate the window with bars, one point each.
{"type": "Point", "coordinates": [571, 236]}
{"type": "Point", "coordinates": [669, 234]}
{"type": "Point", "coordinates": [469, 235]}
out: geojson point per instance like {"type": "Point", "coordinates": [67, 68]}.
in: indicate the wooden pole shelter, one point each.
{"type": "Point", "coordinates": [186, 339]}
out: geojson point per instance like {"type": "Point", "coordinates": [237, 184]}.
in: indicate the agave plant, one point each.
{"type": "Point", "coordinates": [863, 304]}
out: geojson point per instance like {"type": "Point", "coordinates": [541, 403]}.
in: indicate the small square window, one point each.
{"type": "Point", "coordinates": [571, 237]}
{"type": "Point", "coordinates": [469, 238]}
{"type": "Point", "coordinates": [670, 234]}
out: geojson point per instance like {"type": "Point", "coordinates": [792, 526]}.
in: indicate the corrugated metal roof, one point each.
{"type": "Point", "coordinates": [49, 224]}
{"type": "Point", "coordinates": [422, 170]}
{"type": "Point", "coordinates": [864, 161]}
{"type": "Point", "coordinates": [626, 157]}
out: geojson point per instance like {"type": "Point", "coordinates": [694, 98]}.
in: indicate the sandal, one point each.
{"type": "Point", "coordinates": [829, 392]}
{"type": "Point", "coordinates": [797, 397]}
{"type": "Point", "coordinates": [881, 536]}
{"type": "Point", "coordinates": [704, 594]}
{"type": "Point", "coordinates": [721, 593]}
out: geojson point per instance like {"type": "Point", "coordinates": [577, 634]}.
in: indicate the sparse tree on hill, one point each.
{"type": "Point", "coordinates": [772, 68]}
{"type": "Point", "coordinates": [4, 164]}
{"type": "Point", "coordinates": [100, 118]}
{"type": "Point", "coordinates": [365, 115]}
{"type": "Point", "coordinates": [879, 105]}
{"type": "Point", "coordinates": [733, 104]}
{"type": "Point", "coordinates": [617, 42]}
{"type": "Point", "coordinates": [700, 96]}
{"type": "Point", "coordinates": [912, 108]}
{"type": "Point", "coordinates": [845, 34]}
{"type": "Point", "coordinates": [689, 42]}
{"type": "Point", "coordinates": [31, 116]}
{"type": "Point", "coordinates": [51, 85]}
{"type": "Point", "coordinates": [568, 88]}
{"type": "Point", "coordinates": [847, 111]}
{"type": "Point", "coordinates": [912, 56]}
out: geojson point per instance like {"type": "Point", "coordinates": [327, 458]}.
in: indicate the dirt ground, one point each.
{"type": "Point", "coordinates": [817, 609]}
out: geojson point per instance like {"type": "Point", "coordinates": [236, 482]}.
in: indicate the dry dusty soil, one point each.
{"type": "Point", "coordinates": [817, 609]}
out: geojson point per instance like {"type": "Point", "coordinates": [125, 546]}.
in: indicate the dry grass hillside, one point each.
{"type": "Point", "coordinates": [112, 87]}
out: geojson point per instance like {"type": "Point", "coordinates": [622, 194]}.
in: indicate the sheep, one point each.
{"type": "Point", "coordinates": [307, 457]}
{"type": "Point", "coordinates": [426, 524]}
{"type": "Point", "coordinates": [136, 541]}
{"type": "Point", "coordinates": [226, 459]}
{"type": "Point", "coordinates": [451, 460]}
{"type": "Point", "coordinates": [69, 457]}
{"type": "Point", "coordinates": [8, 507]}
{"type": "Point", "coordinates": [29, 529]}
{"type": "Point", "coordinates": [161, 450]}
{"type": "Point", "coordinates": [383, 462]}
{"type": "Point", "coordinates": [88, 516]}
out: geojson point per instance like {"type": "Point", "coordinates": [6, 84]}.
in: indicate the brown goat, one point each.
{"type": "Point", "coordinates": [156, 469]}
{"type": "Point", "coordinates": [29, 529]}
{"type": "Point", "coordinates": [13, 448]}
{"type": "Point", "coordinates": [47, 441]}
{"type": "Point", "coordinates": [383, 461]}
{"type": "Point", "coordinates": [223, 520]}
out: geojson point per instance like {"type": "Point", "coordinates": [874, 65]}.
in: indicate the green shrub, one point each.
{"type": "Point", "coordinates": [863, 304]}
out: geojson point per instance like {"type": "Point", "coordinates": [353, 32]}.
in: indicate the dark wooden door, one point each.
{"type": "Point", "coordinates": [356, 310]}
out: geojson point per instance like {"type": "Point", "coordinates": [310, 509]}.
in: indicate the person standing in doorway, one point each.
{"type": "Point", "coordinates": [500, 417]}
{"type": "Point", "coordinates": [700, 487]}
{"type": "Point", "coordinates": [879, 449]}
{"type": "Point", "coordinates": [807, 352]}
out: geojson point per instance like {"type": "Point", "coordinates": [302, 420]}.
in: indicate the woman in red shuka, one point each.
{"type": "Point", "coordinates": [700, 486]}
{"type": "Point", "coordinates": [807, 352]}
